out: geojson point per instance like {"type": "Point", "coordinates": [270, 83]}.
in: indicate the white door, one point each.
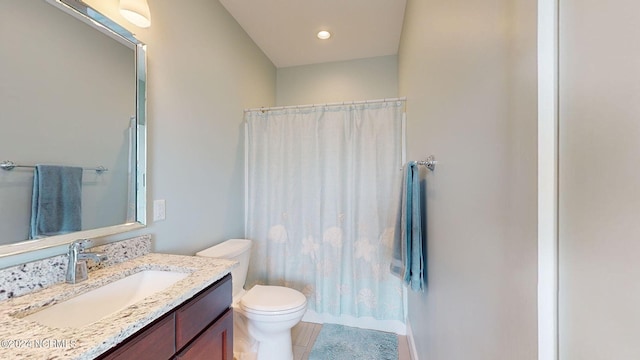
{"type": "Point", "coordinates": [599, 184]}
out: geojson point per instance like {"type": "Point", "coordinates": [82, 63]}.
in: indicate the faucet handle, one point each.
{"type": "Point", "coordinates": [80, 245]}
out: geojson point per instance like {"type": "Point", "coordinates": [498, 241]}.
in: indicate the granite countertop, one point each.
{"type": "Point", "coordinates": [24, 339]}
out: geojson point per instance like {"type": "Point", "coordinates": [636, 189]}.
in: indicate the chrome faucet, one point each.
{"type": "Point", "coordinates": [77, 264]}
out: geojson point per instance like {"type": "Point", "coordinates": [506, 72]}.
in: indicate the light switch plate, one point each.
{"type": "Point", "coordinates": [159, 210]}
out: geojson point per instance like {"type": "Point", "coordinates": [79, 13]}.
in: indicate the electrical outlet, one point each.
{"type": "Point", "coordinates": [159, 210]}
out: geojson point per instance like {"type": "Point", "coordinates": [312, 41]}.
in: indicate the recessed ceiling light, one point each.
{"type": "Point", "coordinates": [324, 35]}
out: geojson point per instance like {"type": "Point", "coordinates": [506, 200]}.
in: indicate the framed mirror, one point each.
{"type": "Point", "coordinates": [72, 94]}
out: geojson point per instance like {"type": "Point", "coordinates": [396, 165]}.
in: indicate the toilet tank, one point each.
{"type": "Point", "coordinates": [232, 249]}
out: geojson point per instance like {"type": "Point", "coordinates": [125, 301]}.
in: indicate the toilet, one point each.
{"type": "Point", "coordinates": [263, 315]}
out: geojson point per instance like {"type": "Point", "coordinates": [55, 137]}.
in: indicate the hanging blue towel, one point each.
{"type": "Point", "coordinates": [408, 261]}
{"type": "Point", "coordinates": [56, 201]}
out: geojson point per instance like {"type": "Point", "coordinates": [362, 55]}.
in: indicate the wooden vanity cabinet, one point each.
{"type": "Point", "coordinates": [214, 343]}
{"type": "Point", "coordinates": [200, 328]}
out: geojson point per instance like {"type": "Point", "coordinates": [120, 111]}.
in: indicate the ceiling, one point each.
{"type": "Point", "coordinates": [286, 30]}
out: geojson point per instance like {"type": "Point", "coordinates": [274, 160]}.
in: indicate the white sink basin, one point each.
{"type": "Point", "coordinates": [108, 299]}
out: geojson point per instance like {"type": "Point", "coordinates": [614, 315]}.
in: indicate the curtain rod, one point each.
{"type": "Point", "coordinates": [263, 109]}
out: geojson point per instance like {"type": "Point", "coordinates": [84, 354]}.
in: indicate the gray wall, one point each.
{"type": "Point", "coordinates": [362, 79]}
{"type": "Point", "coordinates": [468, 69]}
{"type": "Point", "coordinates": [66, 96]}
{"type": "Point", "coordinates": [599, 180]}
{"type": "Point", "coordinates": [203, 71]}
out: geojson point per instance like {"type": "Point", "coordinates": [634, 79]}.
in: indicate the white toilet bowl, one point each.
{"type": "Point", "coordinates": [271, 312]}
{"type": "Point", "coordinates": [264, 314]}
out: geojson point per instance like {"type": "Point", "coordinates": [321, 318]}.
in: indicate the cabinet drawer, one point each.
{"type": "Point", "coordinates": [198, 313]}
{"type": "Point", "coordinates": [157, 342]}
{"type": "Point", "coordinates": [215, 343]}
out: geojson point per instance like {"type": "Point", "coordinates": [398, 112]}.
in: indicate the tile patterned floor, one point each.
{"type": "Point", "coordinates": [304, 335]}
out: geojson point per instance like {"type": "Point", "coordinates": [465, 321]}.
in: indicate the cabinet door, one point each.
{"type": "Point", "coordinates": [215, 343]}
{"type": "Point", "coordinates": [199, 312]}
{"type": "Point", "coordinates": [155, 343]}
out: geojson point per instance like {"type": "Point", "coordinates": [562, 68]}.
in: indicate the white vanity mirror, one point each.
{"type": "Point", "coordinates": [72, 93]}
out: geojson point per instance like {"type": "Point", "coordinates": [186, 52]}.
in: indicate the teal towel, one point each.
{"type": "Point", "coordinates": [408, 260]}
{"type": "Point", "coordinates": [56, 201]}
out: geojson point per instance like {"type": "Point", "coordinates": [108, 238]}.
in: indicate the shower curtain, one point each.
{"type": "Point", "coordinates": [323, 191]}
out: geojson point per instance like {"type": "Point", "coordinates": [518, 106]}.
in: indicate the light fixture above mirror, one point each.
{"type": "Point", "coordinates": [136, 11]}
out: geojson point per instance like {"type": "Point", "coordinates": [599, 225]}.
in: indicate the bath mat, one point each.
{"type": "Point", "coordinates": [338, 342]}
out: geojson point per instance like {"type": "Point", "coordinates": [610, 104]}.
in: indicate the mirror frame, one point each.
{"type": "Point", "coordinates": [95, 19]}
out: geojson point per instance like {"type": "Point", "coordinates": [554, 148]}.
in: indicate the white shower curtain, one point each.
{"type": "Point", "coordinates": [323, 190]}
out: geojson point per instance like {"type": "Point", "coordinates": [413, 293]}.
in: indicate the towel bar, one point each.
{"type": "Point", "coordinates": [10, 165]}
{"type": "Point", "coordinates": [430, 163]}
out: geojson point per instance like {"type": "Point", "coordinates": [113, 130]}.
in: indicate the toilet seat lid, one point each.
{"type": "Point", "coordinates": [272, 299]}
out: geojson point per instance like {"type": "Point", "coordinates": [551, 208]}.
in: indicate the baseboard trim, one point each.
{"type": "Point", "coordinates": [412, 344]}
{"type": "Point", "coordinates": [392, 326]}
